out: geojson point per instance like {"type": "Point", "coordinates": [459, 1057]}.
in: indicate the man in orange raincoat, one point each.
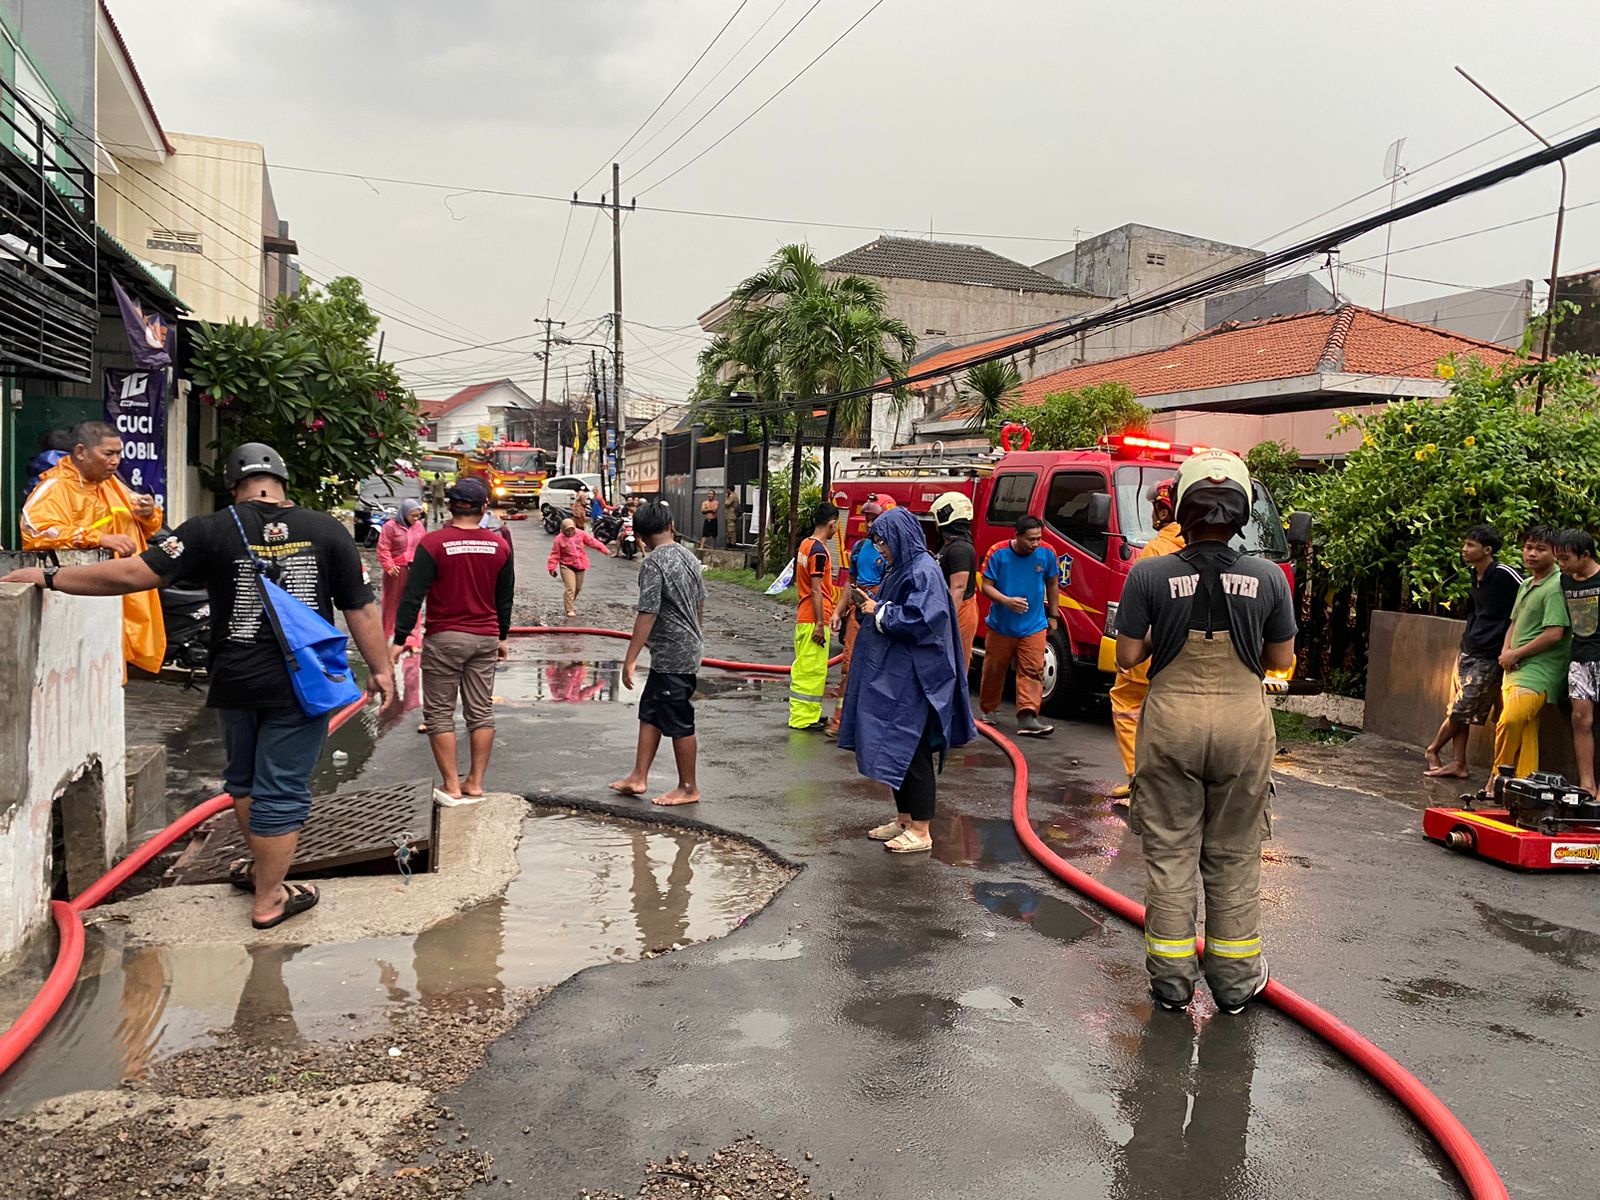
{"type": "Point", "coordinates": [82, 504]}
{"type": "Point", "coordinates": [1128, 693]}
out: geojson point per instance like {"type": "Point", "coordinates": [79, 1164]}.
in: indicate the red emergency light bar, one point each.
{"type": "Point", "coordinates": [1142, 445]}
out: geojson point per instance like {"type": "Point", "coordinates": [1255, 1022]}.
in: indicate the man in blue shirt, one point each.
{"type": "Point", "coordinates": [1020, 579]}
{"type": "Point", "coordinates": [866, 573]}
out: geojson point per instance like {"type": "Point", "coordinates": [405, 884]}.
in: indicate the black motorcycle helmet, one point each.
{"type": "Point", "coordinates": [253, 458]}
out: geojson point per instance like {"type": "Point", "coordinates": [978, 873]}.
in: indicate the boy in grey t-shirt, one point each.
{"type": "Point", "coordinates": [672, 596]}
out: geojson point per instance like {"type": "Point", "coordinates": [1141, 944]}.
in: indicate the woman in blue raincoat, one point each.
{"type": "Point", "coordinates": [907, 701]}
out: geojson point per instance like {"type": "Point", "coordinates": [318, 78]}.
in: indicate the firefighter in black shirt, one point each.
{"type": "Point", "coordinates": [1210, 619]}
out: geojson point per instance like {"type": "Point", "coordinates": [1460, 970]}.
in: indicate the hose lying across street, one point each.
{"type": "Point", "coordinates": [1477, 1173]}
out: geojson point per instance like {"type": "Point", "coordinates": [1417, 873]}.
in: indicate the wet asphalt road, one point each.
{"type": "Point", "coordinates": [964, 1026]}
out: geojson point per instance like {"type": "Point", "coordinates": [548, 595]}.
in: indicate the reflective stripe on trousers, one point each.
{"type": "Point", "coordinates": [808, 678]}
{"type": "Point", "coordinates": [1201, 788]}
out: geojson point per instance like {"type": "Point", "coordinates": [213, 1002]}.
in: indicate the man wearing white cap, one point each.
{"type": "Point", "coordinates": [1210, 619]}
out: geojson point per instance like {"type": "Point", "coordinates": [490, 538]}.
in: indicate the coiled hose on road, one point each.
{"type": "Point", "coordinates": [1482, 1181]}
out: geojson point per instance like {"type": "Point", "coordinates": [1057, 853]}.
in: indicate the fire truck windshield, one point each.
{"type": "Point", "coordinates": [1263, 535]}
{"type": "Point", "coordinates": [518, 460]}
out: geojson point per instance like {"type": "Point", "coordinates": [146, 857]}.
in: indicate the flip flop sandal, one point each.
{"type": "Point", "coordinates": [242, 874]}
{"type": "Point", "coordinates": [909, 842]}
{"type": "Point", "coordinates": [298, 898]}
{"type": "Point", "coordinates": [888, 831]}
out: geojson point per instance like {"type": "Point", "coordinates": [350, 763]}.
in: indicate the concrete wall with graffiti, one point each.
{"type": "Point", "coordinates": [61, 750]}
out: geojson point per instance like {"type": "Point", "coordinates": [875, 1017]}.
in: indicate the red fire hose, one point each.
{"type": "Point", "coordinates": [69, 921]}
{"type": "Point", "coordinates": [1477, 1172]}
{"type": "Point", "coordinates": [717, 664]}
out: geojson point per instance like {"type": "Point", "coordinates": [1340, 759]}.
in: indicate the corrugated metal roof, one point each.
{"type": "Point", "coordinates": [946, 262]}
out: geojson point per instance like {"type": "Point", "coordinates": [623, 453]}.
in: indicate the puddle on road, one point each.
{"type": "Point", "coordinates": [1049, 915]}
{"type": "Point", "coordinates": [590, 890]}
{"type": "Point", "coordinates": [1568, 946]}
{"type": "Point", "coordinates": [963, 841]}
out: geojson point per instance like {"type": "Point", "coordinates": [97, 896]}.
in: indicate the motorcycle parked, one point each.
{"type": "Point", "coordinates": [553, 517]}
{"type": "Point", "coordinates": [186, 613]}
{"type": "Point", "coordinates": [607, 526]}
{"type": "Point", "coordinates": [370, 522]}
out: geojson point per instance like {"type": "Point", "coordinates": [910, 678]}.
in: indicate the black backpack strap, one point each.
{"type": "Point", "coordinates": [1209, 599]}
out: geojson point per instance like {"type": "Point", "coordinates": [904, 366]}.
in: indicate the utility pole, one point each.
{"type": "Point", "coordinates": [1555, 254]}
{"type": "Point", "coordinates": [615, 207]}
{"type": "Point", "coordinates": [566, 417]}
{"type": "Point", "coordinates": [544, 383]}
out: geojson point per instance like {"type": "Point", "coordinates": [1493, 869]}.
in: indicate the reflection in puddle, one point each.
{"type": "Point", "coordinates": [1048, 915]}
{"type": "Point", "coordinates": [1568, 946]}
{"type": "Point", "coordinates": [589, 891]}
{"type": "Point", "coordinates": [965, 841]}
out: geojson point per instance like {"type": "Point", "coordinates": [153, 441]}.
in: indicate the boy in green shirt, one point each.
{"type": "Point", "coordinates": [1534, 657]}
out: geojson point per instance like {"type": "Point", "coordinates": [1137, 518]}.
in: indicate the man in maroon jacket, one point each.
{"type": "Point", "coordinates": [467, 577]}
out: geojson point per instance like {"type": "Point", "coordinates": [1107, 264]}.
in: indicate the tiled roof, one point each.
{"type": "Point", "coordinates": [945, 262]}
{"type": "Point", "coordinates": [434, 409]}
{"type": "Point", "coordinates": [133, 70]}
{"type": "Point", "coordinates": [1346, 339]}
{"type": "Point", "coordinates": [955, 355]}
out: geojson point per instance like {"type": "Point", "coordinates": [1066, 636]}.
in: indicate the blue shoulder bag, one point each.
{"type": "Point", "coordinates": [314, 651]}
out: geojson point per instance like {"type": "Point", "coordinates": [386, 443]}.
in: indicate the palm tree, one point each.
{"type": "Point", "coordinates": [792, 330]}
{"type": "Point", "coordinates": [863, 344]}
{"type": "Point", "coordinates": [992, 384]}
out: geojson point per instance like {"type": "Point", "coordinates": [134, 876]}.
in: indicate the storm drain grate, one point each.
{"type": "Point", "coordinates": [347, 827]}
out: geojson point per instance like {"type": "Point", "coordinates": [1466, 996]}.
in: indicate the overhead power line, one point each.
{"type": "Point", "coordinates": [756, 111]}
{"type": "Point", "coordinates": [719, 101]}
{"type": "Point", "coordinates": [1129, 310]}
{"type": "Point", "coordinates": [617, 153]}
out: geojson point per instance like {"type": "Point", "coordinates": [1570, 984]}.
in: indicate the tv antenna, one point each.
{"type": "Point", "coordinates": [1393, 171]}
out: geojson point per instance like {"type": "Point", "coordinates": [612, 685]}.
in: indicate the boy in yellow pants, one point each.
{"type": "Point", "coordinates": [1537, 647]}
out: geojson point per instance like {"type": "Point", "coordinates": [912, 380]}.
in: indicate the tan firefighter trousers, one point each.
{"type": "Point", "coordinates": [1201, 789]}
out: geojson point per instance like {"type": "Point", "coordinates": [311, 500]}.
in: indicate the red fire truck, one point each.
{"type": "Point", "coordinates": [514, 472]}
{"type": "Point", "coordinates": [1096, 516]}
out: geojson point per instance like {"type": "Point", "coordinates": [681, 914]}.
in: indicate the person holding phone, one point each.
{"type": "Point", "coordinates": [906, 705]}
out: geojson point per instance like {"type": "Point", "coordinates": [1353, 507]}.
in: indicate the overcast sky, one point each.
{"type": "Point", "coordinates": [1018, 125]}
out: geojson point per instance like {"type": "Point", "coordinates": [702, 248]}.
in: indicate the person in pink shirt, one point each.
{"type": "Point", "coordinates": [397, 542]}
{"type": "Point", "coordinates": [569, 558]}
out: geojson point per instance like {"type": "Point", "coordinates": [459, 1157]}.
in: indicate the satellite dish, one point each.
{"type": "Point", "coordinates": [1391, 159]}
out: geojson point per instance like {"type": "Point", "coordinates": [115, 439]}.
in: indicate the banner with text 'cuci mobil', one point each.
{"type": "Point", "coordinates": [136, 408]}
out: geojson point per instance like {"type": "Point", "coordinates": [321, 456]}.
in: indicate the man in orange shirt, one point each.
{"type": "Point", "coordinates": [1131, 687]}
{"type": "Point", "coordinates": [82, 504]}
{"type": "Point", "coordinates": [813, 577]}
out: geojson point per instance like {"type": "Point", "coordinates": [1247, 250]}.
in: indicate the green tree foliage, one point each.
{"type": "Point", "coordinates": [1276, 466]}
{"type": "Point", "coordinates": [1426, 471]}
{"type": "Point", "coordinates": [1071, 420]}
{"type": "Point", "coordinates": [792, 330]}
{"type": "Point", "coordinates": [306, 382]}
{"type": "Point", "coordinates": [992, 385]}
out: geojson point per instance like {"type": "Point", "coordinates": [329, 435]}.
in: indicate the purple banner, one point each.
{"type": "Point", "coordinates": [149, 335]}
{"type": "Point", "coordinates": [136, 408]}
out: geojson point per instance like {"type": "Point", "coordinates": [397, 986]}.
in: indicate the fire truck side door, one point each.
{"type": "Point", "coordinates": [1080, 545]}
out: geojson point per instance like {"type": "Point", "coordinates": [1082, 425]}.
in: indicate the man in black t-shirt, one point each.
{"type": "Point", "coordinates": [272, 745]}
{"type": "Point", "coordinates": [958, 559]}
{"type": "Point", "coordinates": [1494, 590]}
{"type": "Point", "coordinates": [1210, 620]}
{"type": "Point", "coordinates": [1580, 581]}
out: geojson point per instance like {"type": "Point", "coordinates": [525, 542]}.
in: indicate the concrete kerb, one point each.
{"type": "Point", "coordinates": [667, 817]}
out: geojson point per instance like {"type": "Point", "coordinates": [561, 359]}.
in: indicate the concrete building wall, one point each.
{"type": "Point", "coordinates": [938, 312]}
{"type": "Point", "coordinates": [1280, 298]}
{"type": "Point", "coordinates": [200, 212]}
{"type": "Point", "coordinates": [1411, 667]}
{"type": "Point", "coordinates": [61, 712]}
{"type": "Point", "coordinates": [1497, 314]}
{"type": "Point", "coordinates": [58, 36]}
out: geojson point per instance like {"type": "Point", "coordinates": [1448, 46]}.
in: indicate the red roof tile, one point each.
{"type": "Point", "coordinates": [957, 355]}
{"type": "Point", "coordinates": [1346, 339]}
{"type": "Point", "coordinates": [133, 70]}
{"type": "Point", "coordinates": [434, 409]}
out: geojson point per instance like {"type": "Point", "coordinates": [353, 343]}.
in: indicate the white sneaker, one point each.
{"type": "Point", "coordinates": [989, 718]}
{"type": "Point", "coordinates": [1233, 1010]}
